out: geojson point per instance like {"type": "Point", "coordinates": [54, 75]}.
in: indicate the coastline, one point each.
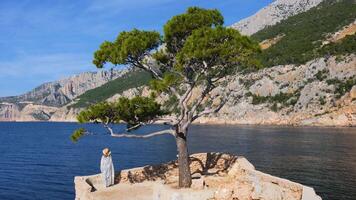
{"type": "Point", "coordinates": [209, 123]}
{"type": "Point", "coordinates": [217, 175]}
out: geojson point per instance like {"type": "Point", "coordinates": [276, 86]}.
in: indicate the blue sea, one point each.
{"type": "Point", "coordinates": [39, 161]}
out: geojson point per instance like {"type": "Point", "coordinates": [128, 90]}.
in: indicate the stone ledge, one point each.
{"type": "Point", "coordinates": [217, 176]}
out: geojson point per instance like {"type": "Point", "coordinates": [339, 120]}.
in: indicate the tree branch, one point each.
{"type": "Point", "coordinates": [168, 131]}
{"type": "Point", "coordinates": [156, 74]}
{"type": "Point", "coordinates": [209, 111]}
{"type": "Point", "coordinates": [204, 93]}
{"type": "Point", "coordinates": [227, 95]}
{"type": "Point", "coordinates": [134, 127]}
{"type": "Point", "coordinates": [125, 135]}
{"type": "Point", "coordinates": [168, 120]}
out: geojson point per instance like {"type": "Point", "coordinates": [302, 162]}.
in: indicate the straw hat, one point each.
{"type": "Point", "coordinates": [106, 152]}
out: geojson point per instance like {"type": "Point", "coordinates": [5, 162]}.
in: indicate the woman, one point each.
{"type": "Point", "coordinates": [107, 168]}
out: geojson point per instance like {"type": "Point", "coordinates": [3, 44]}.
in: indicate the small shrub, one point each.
{"type": "Point", "coordinates": [249, 94]}
{"type": "Point", "coordinates": [333, 81]}
{"type": "Point", "coordinates": [322, 100]}
{"type": "Point", "coordinates": [285, 99]}
{"type": "Point", "coordinates": [259, 99]}
{"type": "Point", "coordinates": [274, 107]}
{"type": "Point", "coordinates": [246, 82]}
{"type": "Point", "coordinates": [321, 75]}
{"type": "Point", "coordinates": [344, 87]}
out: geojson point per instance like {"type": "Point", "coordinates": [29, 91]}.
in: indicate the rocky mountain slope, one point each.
{"type": "Point", "coordinates": [44, 100]}
{"type": "Point", "coordinates": [272, 14]}
{"type": "Point", "coordinates": [302, 37]}
{"type": "Point", "coordinates": [321, 92]}
{"type": "Point", "coordinates": [306, 81]}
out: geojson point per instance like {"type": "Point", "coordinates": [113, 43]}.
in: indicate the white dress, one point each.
{"type": "Point", "coordinates": [107, 170]}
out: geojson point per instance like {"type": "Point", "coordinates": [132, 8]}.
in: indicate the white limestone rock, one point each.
{"type": "Point", "coordinates": [272, 14]}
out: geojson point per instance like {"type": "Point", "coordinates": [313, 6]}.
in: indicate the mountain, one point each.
{"type": "Point", "coordinates": [321, 92]}
{"type": "Point", "coordinates": [327, 29]}
{"type": "Point", "coordinates": [272, 14]}
{"type": "Point", "coordinates": [59, 93]}
{"type": "Point", "coordinates": [44, 100]}
{"type": "Point", "coordinates": [132, 79]}
{"type": "Point", "coordinates": [308, 77]}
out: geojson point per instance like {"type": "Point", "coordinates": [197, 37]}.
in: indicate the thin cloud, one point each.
{"type": "Point", "coordinates": [46, 40]}
{"type": "Point", "coordinates": [52, 66]}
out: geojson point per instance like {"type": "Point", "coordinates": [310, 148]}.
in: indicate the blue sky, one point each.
{"type": "Point", "coordinates": [45, 40]}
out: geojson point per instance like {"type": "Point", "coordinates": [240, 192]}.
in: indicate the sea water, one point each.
{"type": "Point", "coordinates": [39, 161]}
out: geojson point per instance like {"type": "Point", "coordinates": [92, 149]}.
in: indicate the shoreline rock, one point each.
{"type": "Point", "coordinates": [216, 176]}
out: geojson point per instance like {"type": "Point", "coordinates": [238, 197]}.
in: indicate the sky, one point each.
{"type": "Point", "coordinates": [46, 40]}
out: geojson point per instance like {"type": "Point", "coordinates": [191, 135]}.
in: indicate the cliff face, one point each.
{"type": "Point", "coordinates": [321, 92]}
{"type": "Point", "coordinates": [272, 14]}
{"type": "Point", "coordinates": [27, 112]}
{"type": "Point", "coordinates": [61, 92]}
{"type": "Point", "coordinates": [49, 98]}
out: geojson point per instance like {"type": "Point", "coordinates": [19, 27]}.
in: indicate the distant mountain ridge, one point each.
{"type": "Point", "coordinates": [272, 14]}
{"type": "Point", "coordinates": [49, 100]}
{"type": "Point", "coordinates": [61, 92]}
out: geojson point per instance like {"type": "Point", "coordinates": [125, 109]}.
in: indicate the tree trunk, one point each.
{"type": "Point", "coordinates": [185, 179]}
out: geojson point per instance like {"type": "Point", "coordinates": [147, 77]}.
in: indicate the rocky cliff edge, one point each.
{"type": "Point", "coordinates": [216, 176]}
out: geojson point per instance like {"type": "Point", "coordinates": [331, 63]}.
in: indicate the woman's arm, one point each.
{"type": "Point", "coordinates": [102, 164]}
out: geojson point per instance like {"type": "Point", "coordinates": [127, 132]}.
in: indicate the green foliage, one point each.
{"type": "Point", "coordinates": [138, 109]}
{"type": "Point", "coordinates": [161, 57]}
{"type": "Point", "coordinates": [77, 134]}
{"type": "Point", "coordinates": [285, 99]}
{"type": "Point", "coordinates": [346, 46]}
{"type": "Point", "coordinates": [322, 100]}
{"type": "Point", "coordinates": [131, 111]}
{"type": "Point", "coordinates": [342, 86]}
{"type": "Point", "coordinates": [274, 107]}
{"type": "Point", "coordinates": [172, 104]}
{"type": "Point", "coordinates": [197, 51]}
{"type": "Point", "coordinates": [246, 82]}
{"type": "Point", "coordinates": [305, 32]}
{"type": "Point", "coordinates": [130, 80]}
{"type": "Point", "coordinates": [128, 46]}
{"type": "Point", "coordinates": [169, 79]}
{"type": "Point", "coordinates": [321, 75]}
{"type": "Point", "coordinates": [177, 29]}
{"type": "Point", "coordinates": [333, 81]}
{"type": "Point", "coordinates": [223, 48]}
{"type": "Point", "coordinates": [102, 112]}
{"type": "Point", "coordinates": [256, 99]}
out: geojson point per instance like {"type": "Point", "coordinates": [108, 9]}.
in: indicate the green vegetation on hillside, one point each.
{"type": "Point", "coordinates": [130, 80]}
{"type": "Point", "coordinates": [305, 32]}
{"type": "Point", "coordinates": [346, 46]}
{"type": "Point", "coordinates": [285, 99]}
{"type": "Point", "coordinates": [342, 86]}
{"type": "Point", "coordinates": [302, 41]}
